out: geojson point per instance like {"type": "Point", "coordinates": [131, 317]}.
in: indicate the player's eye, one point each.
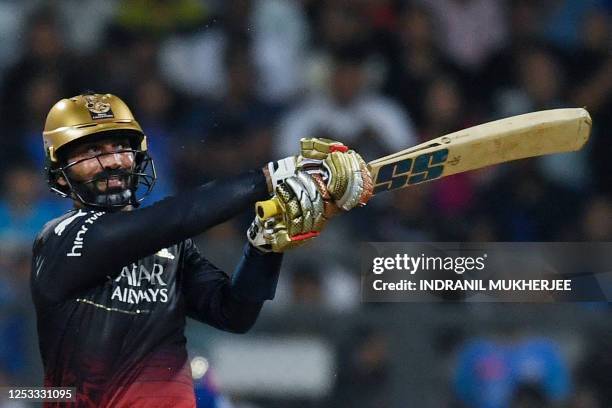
{"type": "Point", "coordinates": [93, 150]}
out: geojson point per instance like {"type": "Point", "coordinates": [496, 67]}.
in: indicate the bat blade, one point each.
{"type": "Point", "coordinates": [504, 140]}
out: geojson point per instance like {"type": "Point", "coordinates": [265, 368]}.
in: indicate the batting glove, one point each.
{"type": "Point", "coordinates": [341, 174]}
{"type": "Point", "coordinates": [299, 216]}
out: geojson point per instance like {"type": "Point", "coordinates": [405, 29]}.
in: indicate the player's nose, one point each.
{"type": "Point", "coordinates": [110, 159]}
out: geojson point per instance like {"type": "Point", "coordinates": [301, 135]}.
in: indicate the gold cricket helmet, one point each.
{"type": "Point", "coordinates": [78, 117]}
{"type": "Point", "coordinates": [85, 117]}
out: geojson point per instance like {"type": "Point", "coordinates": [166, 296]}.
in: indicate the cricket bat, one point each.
{"type": "Point", "coordinates": [517, 137]}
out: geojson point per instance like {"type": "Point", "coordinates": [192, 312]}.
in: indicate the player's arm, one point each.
{"type": "Point", "coordinates": [91, 248]}
{"type": "Point", "coordinates": [229, 304]}
{"type": "Point", "coordinates": [234, 306]}
{"type": "Point", "coordinates": [112, 240]}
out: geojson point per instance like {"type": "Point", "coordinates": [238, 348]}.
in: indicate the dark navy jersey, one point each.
{"type": "Point", "coordinates": [111, 313]}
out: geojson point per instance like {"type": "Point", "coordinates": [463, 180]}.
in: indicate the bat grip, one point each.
{"type": "Point", "coordinates": [268, 208]}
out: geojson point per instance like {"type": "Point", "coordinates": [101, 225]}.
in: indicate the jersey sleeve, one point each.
{"type": "Point", "coordinates": [229, 304]}
{"type": "Point", "coordinates": [86, 248]}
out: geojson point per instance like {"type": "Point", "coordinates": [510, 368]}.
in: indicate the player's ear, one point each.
{"type": "Point", "coordinates": [62, 181]}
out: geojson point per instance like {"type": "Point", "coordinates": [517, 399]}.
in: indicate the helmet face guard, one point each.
{"type": "Point", "coordinates": [84, 118]}
{"type": "Point", "coordinates": [138, 181]}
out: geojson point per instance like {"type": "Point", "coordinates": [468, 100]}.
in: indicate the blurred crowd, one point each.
{"type": "Point", "coordinates": [222, 87]}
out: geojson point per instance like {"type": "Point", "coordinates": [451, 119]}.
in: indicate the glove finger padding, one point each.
{"type": "Point", "coordinates": [339, 174]}
{"type": "Point", "coordinates": [301, 217]}
{"type": "Point", "coordinates": [349, 182]}
{"type": "Point", "coordinates": [318, 148]}
{"type": "Point", "coordinates": [310, 159]}
{"type": "Point", "coordinates": [303, 204]}
{"type": "Point", "coordinates": [329, 207]}
{"type": "Point", "coordinates": [326, 178]}
{"type": "Point", "coordinates": [316, 219]}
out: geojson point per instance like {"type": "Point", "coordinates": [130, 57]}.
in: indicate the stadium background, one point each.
{"type": "Point", "coordinates": [221, 87]}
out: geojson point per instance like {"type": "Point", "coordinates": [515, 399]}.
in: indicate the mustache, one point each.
{"type": "Point", "coordinates": [110, 174]}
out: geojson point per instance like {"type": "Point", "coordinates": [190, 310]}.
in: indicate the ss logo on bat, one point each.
{"type": "Point", "coordinates": [428, 166]}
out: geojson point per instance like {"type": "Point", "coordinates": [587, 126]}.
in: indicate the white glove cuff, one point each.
{"type": "Point", "coordinates": [281, 170]}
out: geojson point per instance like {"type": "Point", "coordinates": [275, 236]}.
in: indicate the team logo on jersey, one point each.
{"type": "Point", "coordinates": [98, 109]}
{"type": "Point", "coordinates": [164, 253]}
{"type": "Point", "coordinates": [143, 285]}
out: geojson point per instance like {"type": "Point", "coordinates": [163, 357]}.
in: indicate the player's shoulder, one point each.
{"type": "Point", "coordinates": [57, 226]}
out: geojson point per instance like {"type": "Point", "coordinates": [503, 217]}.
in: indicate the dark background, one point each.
{"type": "Point", "coordinates": [221, 87]}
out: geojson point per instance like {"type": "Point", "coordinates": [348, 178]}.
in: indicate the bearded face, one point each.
{"type": "Point", "coordinates": [102, 171]}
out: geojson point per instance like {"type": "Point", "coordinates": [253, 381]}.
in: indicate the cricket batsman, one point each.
{"type": "Point", "coordinates": [113, 283]}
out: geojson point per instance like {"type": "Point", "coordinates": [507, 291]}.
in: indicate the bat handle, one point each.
{"type": "Point", "coordinates": [268, 208]}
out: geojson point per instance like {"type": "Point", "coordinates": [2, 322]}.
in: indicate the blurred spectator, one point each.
{"type": "Point", "coordinates": [159, 17]}
{"type": "Point", "coordinates": [273, 34]}
{"type": "Point", "coordinates": [310, 284]}
{"type": "Point", "coordinates": [445, 112]}
{"type": "Point", "coordinates": [338, 24]}
{"type": "Point", "coordinates": [23, 211]}
{"type": "Point", "coordinates": [529, 396]}
{"type": "Point", "coordinates": [383, 18]}
{"type": "Point", "coordinates": [500, 70]}
{"type": "Point", "coordinates": [44, 56]}
{"type": "Point", "coordinates": [85, 21]}
{"type": "Point", "coordinates": [12, 17]}
{"type": "Point", "coordinates": [125, 58]}
{"type": "Point", "coordinates": [206, 389]}
{"type": "Point", "coordinates": [306, 285]}
{"type": "Point", "coordinates": [444, 108]}
{"type": "Point", "coordinates": [404, 218]}
{"type": "Point", "coordinates": [362, 119]}
{"type": "Point", "coordinates": [419, 61]}
{"type": "Point", "coordinates": [41, 92]}
{"type": "Point", "coordinates": [192, 62]}
{"type": "Point", "coordinates": [593, 371]}
{"type": "Point", "coordinates": [540, 79]}
{"type": "Point", "coordinates": [14, 273]}
{"type": "Point", "coordinates": [590, 66]}
{"type": "Point", "coordinates": [364, 371]}
{"type": "Point", "coordinates": [590, 69]}
{"type": "Point", "coordinates": [154, 110]}
{"type": "Point", "coordinates": [470, 29]}
{"type": "Point", "coordinates": [541, 83]}
{"type": "Point", "coordinates": [12, 342]}
{"type": "Point", "coordinates": [343, 30]}
{"type": "Point", "coordinates": [584, 397]}
{"type": "Point", "coordinates": [280, 35]}
{"type": "Point", "coordinates": [511, 373]}
{"type": "Point", "coordinates": [564, 18]}
{"type": "Point", "coordinates": [597, 220]}
{"type": "Point", "coordinates": [218, 149]}
{"type": "Point", "coordinates": [239, 123]}
{"type": "Point", "coordinates": [525, 206]}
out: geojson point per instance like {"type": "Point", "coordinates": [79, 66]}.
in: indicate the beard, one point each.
{"type": "Point", "coordinates": [111, 189]}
